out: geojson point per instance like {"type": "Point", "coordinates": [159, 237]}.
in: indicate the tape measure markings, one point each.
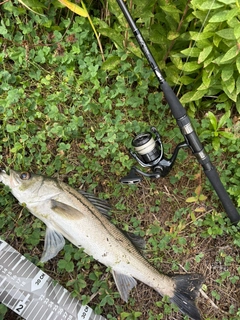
{"type": "Point", "coordinates": [9, 257]}
{"type": "Point", "coordinates": [3, 244]}
{"type": "Point", "coordinates": [21, 305]}
{"type": "Point", "coordinates": [32, 294]}
{"type": "Point", "coordinates": [18, 262]}
{"type": "Point", "coordinates": [63, 294]}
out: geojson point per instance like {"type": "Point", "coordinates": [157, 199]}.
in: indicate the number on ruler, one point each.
{"type": "Point", "coordinates": [20, 307]}
{"type": "Point", "coordinates": [40, 279]}
{"type": "Point", "coordinates": [85, 312]}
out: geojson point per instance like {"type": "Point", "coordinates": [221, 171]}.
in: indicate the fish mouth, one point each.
{"type": "Point", "coordinates": [12, 180]}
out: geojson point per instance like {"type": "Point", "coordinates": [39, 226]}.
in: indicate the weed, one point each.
{"type": "Point", "coordinates": [66, 113]}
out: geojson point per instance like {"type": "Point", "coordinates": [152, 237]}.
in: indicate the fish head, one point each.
{"type": "Point", "coordinates": [23, 185]}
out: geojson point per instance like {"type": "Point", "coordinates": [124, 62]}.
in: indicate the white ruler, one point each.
{"type": "Point", "coordinates": [32, 294]}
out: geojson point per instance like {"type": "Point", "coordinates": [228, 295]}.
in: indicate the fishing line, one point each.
{"type": "Point", "coordinates": [149, 153]}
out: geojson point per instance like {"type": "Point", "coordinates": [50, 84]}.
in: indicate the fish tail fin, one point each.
{"type": "Point", "coordinates": [187, 287]}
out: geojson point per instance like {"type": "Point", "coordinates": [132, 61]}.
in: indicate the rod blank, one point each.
{"type": "Point", "coordinates": [184, 123]}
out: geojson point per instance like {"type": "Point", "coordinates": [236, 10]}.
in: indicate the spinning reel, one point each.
{"type": "Point", "coordinates": [149, 153]}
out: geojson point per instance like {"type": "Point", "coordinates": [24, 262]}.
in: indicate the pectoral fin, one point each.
{"type": "Point", "coordinates": [124, 284]}
{"type": "Point", "coordinates": [65, 210]}
{"type": "Point", "coordinates": [54, 242]}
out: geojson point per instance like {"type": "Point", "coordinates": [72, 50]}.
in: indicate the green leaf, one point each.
{"type": "Point", "coordinates": [3, 29]}
{"type": "Point", "coordinates": [33, 5]}
{"type": "Point", "coordinates": [192, 96]}
{"type": "Point", "coordinates": [111, 63]}
{"type": "Point", "coordinates": [232, 95]}
{"type": "Point", "coordinates": [233, 13]}
{"type": "Point", "coordinates": [238, 64]}
{"type": "Point", "coordinates": [170, 9]}
{"type": "Point", "coordinates": [191, 199]}
{"type": "Point", "coordinates": [229, 85]}
{"type": "Point", "coordinates": [66, 265]}
{"type": "Point", "coordinates": [227, 72]}
{"type": "Point", "coordinates": [191, 66]}
{"type": "Point", "coordinates": [172, 35]}
{"type": "Point", "coordinates": [205, 53]}
{"type": "Point", "coordinates": [238, 105]}
{"type": "Point", "coordinates": [198, 94]}
{"type": "Point", "coordinates": [230, 54]}
{"type": "Point", "coordinates": [202, 197]}
{"type": "Point", "coordinates": [201, 36]}
{"type": "Point", "coordinates": [220, 16]}
{"type": "Point", "coordinates": [226, 34]}
{"type": "Point", "coordinates": [210, 5]}
{"type": "Point", "coordinates": [238, 85]}
{"type": "Point", "coordinates": [223, 119]}
{"type": "Point", "coordinates": [206, 79]}
{"type": "Point", "coordinates": [212, 119]}
{"type": "Point", "coordinates": [227, 1]}
{"type": "Point", "coordinates": [216, 143]}
{"type": "Point", "coordinates": [186, 80]}
{"type": "Point", "coordinates": [228, 135]}
{"type": "Point", "coordinates": [237, 32]}
{"type": "Point", "coordinates": [186, 97]}
{"type": "Point", "coordinates": [191, 52]}
{"type": "Point", "coordinates": [114, 8]}
{"type": "Point", "coordinates": [156, 36]}
{"type": "Point", "coordinates": [12, 128]}
{"type": "Point", "coordinates": [113, 35]}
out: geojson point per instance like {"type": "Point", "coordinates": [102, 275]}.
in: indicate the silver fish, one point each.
{"type": "Point", "coordinates": [81, 218]}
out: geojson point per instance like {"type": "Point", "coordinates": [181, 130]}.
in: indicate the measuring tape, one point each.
{"type": "Point", "coordinates": [32, 294]}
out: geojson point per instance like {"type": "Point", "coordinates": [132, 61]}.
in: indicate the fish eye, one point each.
{"type": "Point", "coordinates": [25, 175]}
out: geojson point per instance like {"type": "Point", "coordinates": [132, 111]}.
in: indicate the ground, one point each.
{"type": "Point", "coordinates": [180, 245]}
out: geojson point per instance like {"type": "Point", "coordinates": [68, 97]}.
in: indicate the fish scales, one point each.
{"type": "Point", "coordinates": [124, 251]}
{"type": "Point", "coordinates": [80, 218]}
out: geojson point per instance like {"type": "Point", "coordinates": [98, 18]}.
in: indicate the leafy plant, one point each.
{"type": "Point", "coordinates": [66, 113]}
{"type": "Point", "coordinates": [212, 67]}
{"type": "Point", "coordinates": [217, 129]}
{"type": "Point", "coordinates": [83, 13]}
{"type": "Point", "coordinates": [198, 197]}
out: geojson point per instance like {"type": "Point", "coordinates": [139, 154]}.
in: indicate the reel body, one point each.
{"type": "Point", "coordinates": [149, 153]}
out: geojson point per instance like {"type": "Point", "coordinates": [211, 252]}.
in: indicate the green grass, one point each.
{"type": "Point", "coordinates": [64, 113]}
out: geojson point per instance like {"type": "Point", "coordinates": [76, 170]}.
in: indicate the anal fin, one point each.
{"type": "Point", "coordinates": [124, 284]}
{"type": "Point", "coordinates": [54, 242]}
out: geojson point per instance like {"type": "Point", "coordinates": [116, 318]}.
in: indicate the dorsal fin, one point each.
{"type": "Point", "coordinates": [102, 205]}
{"type": "Point", "coordinates": [138, 242]}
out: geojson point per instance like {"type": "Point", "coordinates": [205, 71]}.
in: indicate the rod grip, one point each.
{"type": "Point", "coordinates": [175, 105]}
{"type": "Point", "coordinates": [223, 195]}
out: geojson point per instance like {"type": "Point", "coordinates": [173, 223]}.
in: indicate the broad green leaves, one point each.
{"type": "Point", "coordinates": [33, 5]}
{"type": "Point", "coordinates": [218, 129]}
{"type": "Point", "coordinates": [205, 53]}
{"type": "Point", "coordinates": [216, 50]}
{"type": "Point", "coordinates": [230, 54]}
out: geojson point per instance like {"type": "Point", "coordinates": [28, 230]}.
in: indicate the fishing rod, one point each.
{"type": "Point", "coordinates": [150, 153]}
